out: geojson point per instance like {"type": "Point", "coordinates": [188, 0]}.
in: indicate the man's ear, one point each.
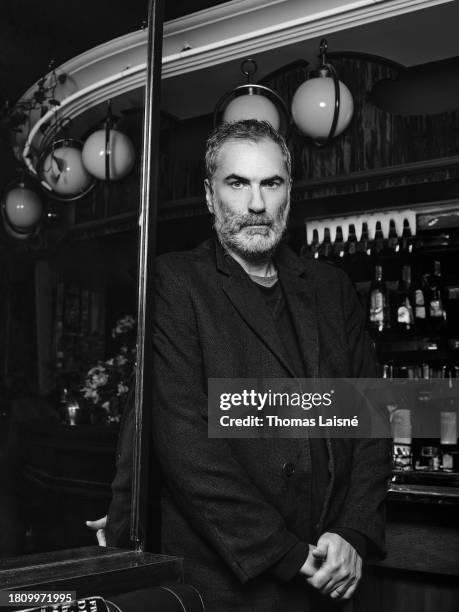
{"type": "Point", "coordinates": [209, 196]}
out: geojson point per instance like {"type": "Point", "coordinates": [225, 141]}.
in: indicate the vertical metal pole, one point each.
{"type": "Point", "coordinates": [147, 244]}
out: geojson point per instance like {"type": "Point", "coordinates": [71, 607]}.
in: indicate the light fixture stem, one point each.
{"type": "Point", "coordinates": [107, 148]}
{"type": "Point", "coordinates": [324, 70]}
{"type": "Point", "coordinates": [323, 47]}
{"type": "Point", "coordinates": [249, 68]}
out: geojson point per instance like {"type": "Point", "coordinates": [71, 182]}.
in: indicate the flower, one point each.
{"type": "Point", "coordinates": [106, 383]}
{"type": "Point", "coordinates": [122, 389]}
{"type": "Point", "coordinates": [123, 325]}
{"type": "Point", "coordinates": [120, 360]}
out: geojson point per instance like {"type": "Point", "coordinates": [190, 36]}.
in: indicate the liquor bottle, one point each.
{"type": "Point", "coordinates": [407, 243]}
{"type": "Point", "coordinates": [378, 246]}
{"type": "Point", "coordinates": [365, 246]}
{"type": "Point", "coordinates": [313, 251]}
{"type": "Point", "coordinates": [448, 426]}
{"type": "Point", "coordinates": [436, 309]}
{"type": "Point", "coordinates": [452, 311]}
{"type": "Point", "coordinates": [426, 428]}
{"type": "Point", "coordinates": [378, 308]}
{"type": "Point", "coordinates": [400, 420]}
{"type": "Point", "coordinates": [340, 245]}
{"type": "Point", "coordinates": [326, 248]}
{"type": "Point", "coordinates": [420, 311]}
{"type": "Point", "coordinates": [352, 245]}
{"type": "Point", "coordinates": [404, 316]}
{"type": "Point", "coordinates": [393, 241]}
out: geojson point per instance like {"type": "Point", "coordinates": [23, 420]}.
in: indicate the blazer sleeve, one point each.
{"type": "Point", "coordinates": [364, 507]}
{"type": "Point", "coordinates": [210, 487]}
{"type": "Point", "coordinates": [119, 513]}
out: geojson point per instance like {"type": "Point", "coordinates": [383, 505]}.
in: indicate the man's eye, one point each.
{"type": "Point", "coordinates": [272, 184]}
{"type": "Point", "coordinates": [237, 184]}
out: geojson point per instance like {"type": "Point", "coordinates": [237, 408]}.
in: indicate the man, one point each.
{"type": "Point", "coordinates": [262, 524]}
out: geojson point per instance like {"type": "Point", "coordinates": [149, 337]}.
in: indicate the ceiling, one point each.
{"type": "Point", "coordinates": [31, 34]}
{"type": "Point", "coordinates": [412, 39]}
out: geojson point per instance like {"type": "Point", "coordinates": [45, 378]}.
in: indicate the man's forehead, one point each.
{"type": "Point", "coordinates": [238, 152]}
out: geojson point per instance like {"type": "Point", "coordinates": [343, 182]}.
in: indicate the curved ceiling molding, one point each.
{"type": "Point", "coordinates": [197, 41]}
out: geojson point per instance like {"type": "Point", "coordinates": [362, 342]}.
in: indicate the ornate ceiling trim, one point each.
{"type": "Point", "coordinates": [197, 41]}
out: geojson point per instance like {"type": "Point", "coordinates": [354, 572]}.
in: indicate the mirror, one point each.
{"type": "Point", "coordinates": [68, 308]}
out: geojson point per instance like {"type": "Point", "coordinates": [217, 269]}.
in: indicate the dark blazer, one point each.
{"type": "Point", "coordinates": [229, 508]}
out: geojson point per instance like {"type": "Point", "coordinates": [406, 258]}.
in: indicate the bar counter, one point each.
{"type": "Point", "coordinates": [432, 549]}
{"type": "Point", "coordinates": [421, 569]}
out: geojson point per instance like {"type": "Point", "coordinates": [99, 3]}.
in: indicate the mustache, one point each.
{"type": "Point", "coordinates": [248, 220]}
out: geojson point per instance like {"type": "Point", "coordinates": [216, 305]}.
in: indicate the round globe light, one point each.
{"type": "Point", "coordinates": [120, 151]}
{"type": "Point", "coordinates": [313, 107]}
{"type": "Point", "coordinates": [62, 169]}
{"type": "Point", "coordinates": [22, 209]}
{"type": "Point", "coordinates": [252, 106]}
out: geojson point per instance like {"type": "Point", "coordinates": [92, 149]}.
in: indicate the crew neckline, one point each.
{"type": "Point", "coordinates": [265, 281]}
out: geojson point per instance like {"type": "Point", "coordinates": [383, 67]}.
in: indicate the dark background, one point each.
{"type": "Point", "coordinates": [32, 33]}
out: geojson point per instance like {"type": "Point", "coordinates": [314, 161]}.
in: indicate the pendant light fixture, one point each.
{"type": "Point", "coordinates": [62, 172]}
{"type": "Point", "coordinates": [322, 107]}
{"type": "Point", "coordinates": [22, 211]}
{"type": "Point", "coordinates": [108, 154]}
{"type": "Point", "coordinates": [252, 101]}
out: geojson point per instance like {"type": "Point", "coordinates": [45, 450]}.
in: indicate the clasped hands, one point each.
{"type": "Point", "coordinates": [333, 567]}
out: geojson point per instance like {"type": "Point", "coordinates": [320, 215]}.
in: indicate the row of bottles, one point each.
{"type": "Point", "coordinates": [425, 429]}
{"type": "Point", "coordinates": [354, 248]}
{"type": "Point", "coordinates": [336, 242]}
{"type": "Point", "coordinates": [423, 306]}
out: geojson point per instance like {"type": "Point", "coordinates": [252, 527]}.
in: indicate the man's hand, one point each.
{"type": "Point", "coordinates": [312, 563]}
{"type": "Point", "coordinates": [340, 567]}
{"type": "Point", "coordinates": [99, 527]}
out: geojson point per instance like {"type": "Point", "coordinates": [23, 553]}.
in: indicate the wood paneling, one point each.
{"type": "Point", "coordinates": [384, 590]}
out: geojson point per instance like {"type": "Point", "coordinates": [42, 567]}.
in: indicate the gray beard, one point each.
{"type": "Point", "coordinates": [258, 246]}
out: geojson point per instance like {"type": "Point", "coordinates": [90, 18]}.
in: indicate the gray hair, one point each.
{"type": "Point", "coordinates": [246, 129]}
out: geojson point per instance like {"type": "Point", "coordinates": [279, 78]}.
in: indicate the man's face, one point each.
{"type": "Point", "coordinates": [249, 196]}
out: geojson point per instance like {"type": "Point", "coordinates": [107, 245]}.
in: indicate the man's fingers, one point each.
{"type": "Point", "coordinates": [351, 590]}
{"type": "Point", "coordinates": [345, 591]}
{"type": "Point", "coordinates": [347, 587]}
{"type": "Point", "coordinates": [340, 567]}
{"type": "Point", "coordinates": [355, 582]}
{"type": "Point", "coordinates": [311, 565]}
{"type": "Point", "coordinates": [98, 524]}
{"type": "Point", "coordinates": [101, 539]}
{"type": "Point", "coordinates": [326, 579]}
{"type": "Point", "coordinates": [320, 551]}
{"type": "Point", "coordinates": [99, 527]}
{"type": "Point", "coordinates": [320, 579]}
{"type": "Point", "coordinates": [339, 591]}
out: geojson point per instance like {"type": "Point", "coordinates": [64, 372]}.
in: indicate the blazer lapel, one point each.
{"type": "Point", "coordinates": [251, 307]}
{"type": "Point", "coordinates": [249, 303]}
{"type": "Point", "coordinates": [300, 298]}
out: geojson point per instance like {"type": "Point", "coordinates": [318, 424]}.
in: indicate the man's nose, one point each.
{"type": "Point", "coordinates": [257, 203]}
